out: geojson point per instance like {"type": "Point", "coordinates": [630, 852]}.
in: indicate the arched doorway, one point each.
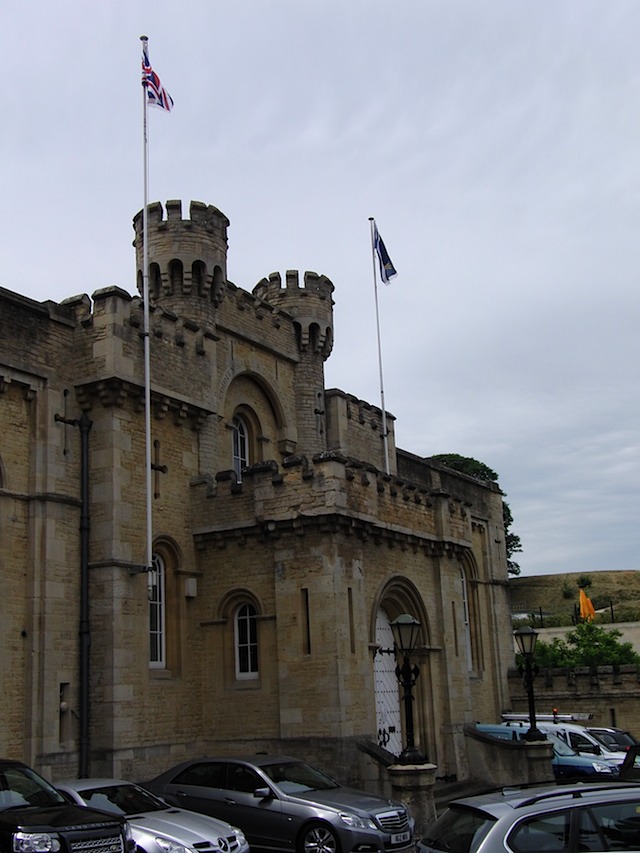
{"type": "Point", "coordinates": [387, 692]}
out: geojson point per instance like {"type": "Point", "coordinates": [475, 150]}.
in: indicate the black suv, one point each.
{"type": "Point", "coordinates": [35, 818]}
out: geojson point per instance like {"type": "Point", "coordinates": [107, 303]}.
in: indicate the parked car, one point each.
{"type": "Point", "coordinates": [612, 738]}
{"type": "Point", "coordinates": [563, 819]}
{"type": "Point", "coordinates": [577, 737]}
{"type": "Point", "coordinates": [630, 769]}
{"type": "Point", "coordinates": [156, 826]}
{"type": "Point", "coordinates": [35, 818]}
{"type": "Point", "coordinates": [566, 762]}
{"type": "Point", "coordinates": [282, 803]}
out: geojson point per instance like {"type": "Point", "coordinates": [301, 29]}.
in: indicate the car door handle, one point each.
{"type": "Point", "coordinates": [229, 801]}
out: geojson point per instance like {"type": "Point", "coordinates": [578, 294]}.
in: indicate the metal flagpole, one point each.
{"type": "Point", "coordinates": [145, 299]}
{"type": "Point", "coordinates": [375, 290]}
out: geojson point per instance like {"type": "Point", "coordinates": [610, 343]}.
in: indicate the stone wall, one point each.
{"type": "Point", "coordinates": [611, 695]}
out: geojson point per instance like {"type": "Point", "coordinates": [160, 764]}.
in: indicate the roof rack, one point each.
{"type": "Point", "coordinates": [549, 718]}
{"type": "Point", "coordinates": [575, 794]}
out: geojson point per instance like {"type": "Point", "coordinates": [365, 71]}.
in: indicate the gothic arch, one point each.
{"type": "Point", "coordinates": [252, 397]}
{"type": "Point", "coordinates": [400, 595]}
{"type": "Point", "coordinates": [469, 594]}
{"type": "Point", "coordinates": [395, 596]}
{"type": "Point", "coordinates": [233, 598]}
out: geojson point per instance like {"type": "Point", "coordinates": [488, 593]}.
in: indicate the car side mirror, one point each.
{"type": "Point", "coordinates": [263, 793]}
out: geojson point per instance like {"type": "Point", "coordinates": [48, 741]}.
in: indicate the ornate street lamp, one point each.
{"type": "Point", "coordinates": [406, 630]}
{"type": "Point", "coordinates": [526, 639]}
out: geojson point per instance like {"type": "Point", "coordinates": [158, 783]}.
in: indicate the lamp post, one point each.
{"type": "Point", "coordinates": [526, 639]}
{"type": "Point", "coordinates": [406, 630]}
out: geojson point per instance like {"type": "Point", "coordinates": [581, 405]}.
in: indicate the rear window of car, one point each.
{"type": "Point", "coordinates": [458, 830]}
{"type": "Point", "coordinates": [608, 826]}
{"type": "Point", "coordinates": [547, 832]}
{"type": "Point", "coordinates": [619, 824]}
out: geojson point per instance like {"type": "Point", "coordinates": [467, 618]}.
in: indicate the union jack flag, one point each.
{"type": "Point", "coordinates": [157, 95]}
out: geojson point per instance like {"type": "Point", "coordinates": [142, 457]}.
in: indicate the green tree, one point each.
{"type": "Point", "coordinates": [473, 468]}
{"type": "Point", "coordinates": [587, 645]}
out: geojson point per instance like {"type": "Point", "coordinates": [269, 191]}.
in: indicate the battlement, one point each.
{"type": "Point", "coordinates": [270, 289]}
{"type": "Point", "coordinates": [325, 489]}
{"type": "Point", "coordinates": [204, 217]}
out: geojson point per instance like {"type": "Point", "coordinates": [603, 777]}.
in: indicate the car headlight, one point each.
{"type": "Point", "coordinates": [356, 822]}
{"type": "Point", "coordinates": [35, 842]}
{"type": "Point", "coordinates": [601, 768]}
{"type": "Point", "coordinates": [170, 846]}
{"type": "Point", "coordinates": [240, 836]}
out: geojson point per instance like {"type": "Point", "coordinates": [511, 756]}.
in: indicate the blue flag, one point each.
{"type": "Point", "coordinates": [387, 269]}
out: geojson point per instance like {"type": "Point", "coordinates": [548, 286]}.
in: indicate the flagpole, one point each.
{"type": "Point", "coordinates": [145, 299]}
{"type": "Point", "coordinates": [385, 439]}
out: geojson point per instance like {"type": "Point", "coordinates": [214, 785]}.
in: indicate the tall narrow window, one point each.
{"type": "Point", "coordinates": [246, 642]}
{"type": "Point", "coordinates": [240, 446]}
{"type": "Point", "coordinates": [467, 618]}
{"type": "Point", "coordinates": [157, 632]}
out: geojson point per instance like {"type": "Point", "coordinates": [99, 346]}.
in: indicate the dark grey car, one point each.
{"type": "Point", "coordinates": [282, 803]}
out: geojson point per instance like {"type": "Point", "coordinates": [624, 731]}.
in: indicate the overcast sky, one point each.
{"type": "Point", "coordinates": [497, 145]}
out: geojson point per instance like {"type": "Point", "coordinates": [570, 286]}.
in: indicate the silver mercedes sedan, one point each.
{"type": "Point", "coordinates": [284, 804]}
{"type": "Point", "coordinates": [156, 826]}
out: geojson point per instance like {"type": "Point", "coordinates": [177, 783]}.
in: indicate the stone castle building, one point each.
{"type": "Point", "coordinates": [282, 549]}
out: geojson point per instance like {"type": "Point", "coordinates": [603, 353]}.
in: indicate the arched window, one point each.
{"type": "Point", "coordinates": [466, 617]}
{"type": "Point", "coordinates": [240, 450]}
{"type": "Point", "coordinates": [472, 642]}
{"type": "Point", "coordinates": [157, 613]}
{"type": "Point", "coordinates": [246, 642]}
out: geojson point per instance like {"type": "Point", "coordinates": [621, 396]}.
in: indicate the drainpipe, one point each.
{"type": "Point", "coordinates": [84, 631]}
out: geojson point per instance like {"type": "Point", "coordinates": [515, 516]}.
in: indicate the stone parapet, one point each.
{"type": "Point", "coordinates": [329, 485]}
{"type": "Point", "coordinates": [610, 694]}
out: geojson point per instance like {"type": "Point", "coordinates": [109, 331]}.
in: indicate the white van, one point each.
{"type": "Point", "coordinates": [578, 738]}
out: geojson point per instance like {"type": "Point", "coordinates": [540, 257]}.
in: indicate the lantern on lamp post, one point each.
{"type": "Point", "coordinates": [406, 631]}
{"type": "Point", "coordinates": [526, 639]}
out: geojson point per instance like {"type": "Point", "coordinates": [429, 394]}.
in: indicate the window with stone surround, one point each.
{"type": "Point", "coordinates": [469, 609]}
{"type": "Point", "coordinates": [240, 437]}
{"type": "Point", "coordinates": [246, 642]}
{"type": "Point", "coordinates": [157, 613]}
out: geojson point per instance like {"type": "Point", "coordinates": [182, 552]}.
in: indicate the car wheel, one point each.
{"type": "Point", "coordinates": [318, 838]}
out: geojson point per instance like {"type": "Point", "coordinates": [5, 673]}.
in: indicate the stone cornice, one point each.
{"type": "Point", "coordinates": [115, 391]}
{"type": "Point", "coordinates": [330, 524]}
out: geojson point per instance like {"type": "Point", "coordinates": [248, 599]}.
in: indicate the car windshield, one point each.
{"type": "Point", "coordinates": [459, 829]}
{"type": "Point", "coordinates": [122, 799]}
{"type": "Point", "coordinates": [20, 786]}
{"type": "Point", "coordinates": [614, 740]}
{"type": "Point", "coordinates": [294, 777]}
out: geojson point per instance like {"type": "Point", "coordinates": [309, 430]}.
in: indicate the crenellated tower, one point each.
{"type": "Point", "coordinates": [311, 309]}
{"type": "Point", "coordinates": [187, 258]}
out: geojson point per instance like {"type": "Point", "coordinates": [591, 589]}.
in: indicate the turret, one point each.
{"type": "Point", "coordinates": [187, 258]}
{"type": "Point", "coordinates": [311, 310]}
{"type": "Point", "coordinates": [310, 306]}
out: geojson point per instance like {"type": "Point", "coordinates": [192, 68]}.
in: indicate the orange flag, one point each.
{"type": "Point", "coordinates": [586, 607]}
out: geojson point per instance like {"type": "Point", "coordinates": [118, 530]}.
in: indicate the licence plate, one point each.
{"type": "Point", "coordinates": [400, 837]}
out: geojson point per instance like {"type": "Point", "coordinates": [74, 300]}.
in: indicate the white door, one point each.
{"type": "Point", "coordinates": [387, 689]}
